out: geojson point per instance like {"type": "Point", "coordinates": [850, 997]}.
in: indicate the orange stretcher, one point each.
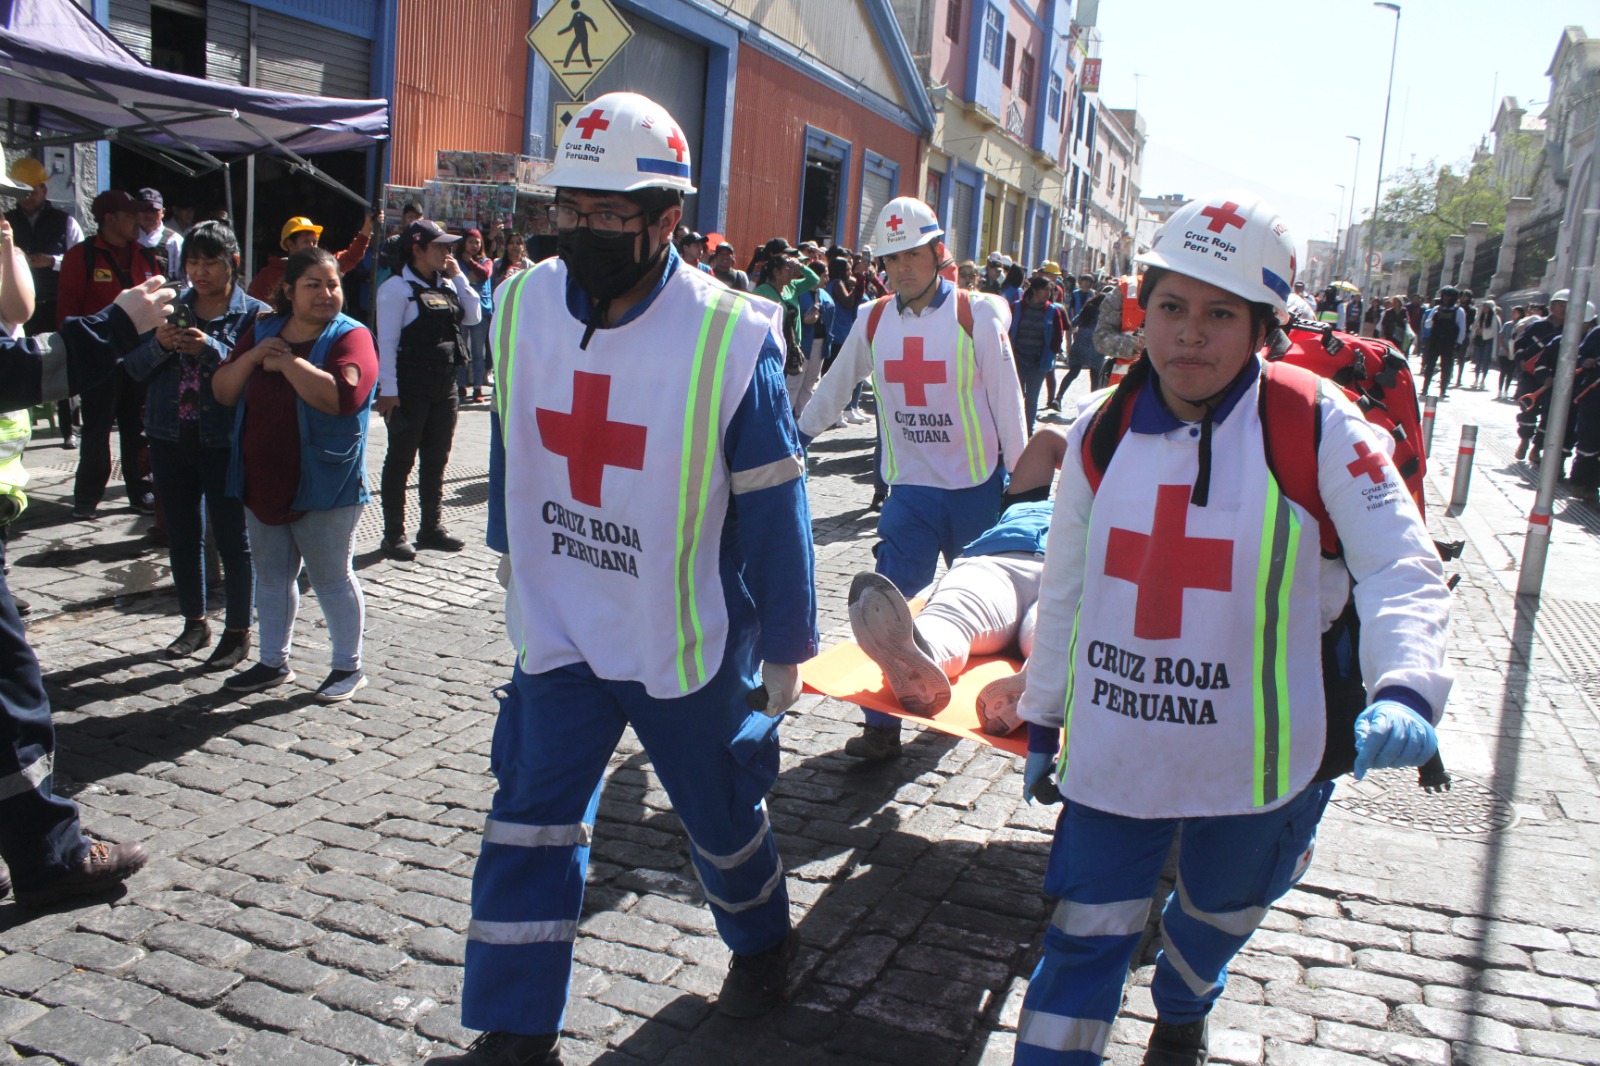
{"type": "Point", "coordinates": [845, 673]}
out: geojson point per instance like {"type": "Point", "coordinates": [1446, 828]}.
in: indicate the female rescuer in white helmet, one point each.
{"type": "Point", "coordinates": [1191, 612]}
{"type": "Point", "coordinates": [641, 404]}
{"type": "Point", "coordinates": [950, 420]}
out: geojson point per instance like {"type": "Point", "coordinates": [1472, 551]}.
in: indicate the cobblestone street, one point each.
{"type": "Point", "coordinates": [311, 866]}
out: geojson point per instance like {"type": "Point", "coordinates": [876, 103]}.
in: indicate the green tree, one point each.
{"type": "Point", "coordinates": [1424, 205]}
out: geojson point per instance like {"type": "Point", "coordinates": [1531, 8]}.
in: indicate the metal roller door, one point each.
{"type": "Point", "coordinates": [960, 224]}
{"type": "Point", "coordinates": [876, 190]}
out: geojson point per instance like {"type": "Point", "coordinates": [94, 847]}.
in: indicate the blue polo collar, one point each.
{"type": "Point", "coordinates": [1152, 416]}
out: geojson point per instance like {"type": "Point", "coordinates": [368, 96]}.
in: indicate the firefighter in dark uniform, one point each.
{"type": "Point", "coordinates": [420, 314]}
{"type": "Point", "coordinates": [43, 232]}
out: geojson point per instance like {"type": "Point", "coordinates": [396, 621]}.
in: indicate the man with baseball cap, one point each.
{"type": "Point", "coordinates": [92, 273]}
{"type": "Point", "coordinates": [159, 237]}
{"type": "Point", "coordinates": [658, 575]}
{"type": "Point", "coordinates": [300, 232]}
{"type": "Point", "coordinates": [43, 232]}
{"type": "Point", "coordinates": [420, 347]}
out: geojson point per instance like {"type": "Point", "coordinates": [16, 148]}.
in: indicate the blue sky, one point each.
{"type": "Point", "coordinates": [1260, 95]}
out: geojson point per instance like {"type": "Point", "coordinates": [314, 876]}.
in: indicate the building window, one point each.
{"type": "Point", "coordinates": [1011, 60]}
{"type": "Point", "coordinates": [952, 21]}
{"type": "Point", "coordinates": [1099, 165]}
{"type": "Point", "coordinates": [1055, 98]}
{"type": "Point", "coordinates": [1025, 75]}
{"type": "Point", "coordinates": [994, 28]}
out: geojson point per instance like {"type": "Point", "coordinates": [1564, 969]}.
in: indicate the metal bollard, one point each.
{"type": "Point", "coordinates": [1469, 445]}
{"type": "Point", "coordinates": [1430, 408]}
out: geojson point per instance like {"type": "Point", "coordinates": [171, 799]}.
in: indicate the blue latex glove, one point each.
{"type": "Point", "coordinates": [1036, 772]}
{"type": "Point", "coordinates": [1390, 734]}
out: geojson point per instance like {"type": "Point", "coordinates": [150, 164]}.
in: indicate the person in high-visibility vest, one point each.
{"type": "Point", "coordinates": [1196, 597]}
{"type": "Point", "coordinates": [1118, 331]}
{"type": "Point", "coordinates": [950, 413]}
{"type": "Point", "coordinates": [658, 570]}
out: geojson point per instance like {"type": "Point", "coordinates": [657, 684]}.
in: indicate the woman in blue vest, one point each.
{"type": "Point", "coordinates": [1190, 587]}
{"type": "Point", "coordinates": [191, 436]}
{"type": "Point", "coordinates": [303, 380]}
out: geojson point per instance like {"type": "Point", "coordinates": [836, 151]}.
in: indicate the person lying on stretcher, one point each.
{"type": "Point", "coordinates": [983, 605]}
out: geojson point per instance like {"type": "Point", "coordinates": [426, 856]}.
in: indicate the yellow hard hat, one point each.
{"type": "Point", "coordinates": [29, 171]}
{"type": "Point", "coordinates": [1050, 267]}
{"type": "Point", "coordinates": [298, 224]}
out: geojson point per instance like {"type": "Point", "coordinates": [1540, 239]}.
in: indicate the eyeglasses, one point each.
{"type": "Point", "coordinates": [607, 223]}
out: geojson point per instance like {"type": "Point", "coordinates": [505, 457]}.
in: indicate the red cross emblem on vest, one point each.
{"type": "Point", "coordinates": [587, 439]}
{"type": "Point", "coordinates": [1367, 462]}
{"type": "Point", "coordinates": [895, 222]}
{"type": "Point", "coordinates": [914, 372]}
{"type": "Point", "coordinates": [594, 120]}
{"type": "Point", "coordinates": [677, 143]}
{"type": "Point", "coordinates": [1223, 217]}
{"type": "Point", "coordinates": [1165, 562]}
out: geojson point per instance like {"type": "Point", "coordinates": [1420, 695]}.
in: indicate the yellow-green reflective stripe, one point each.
{"type": "Point", "coordinates": [1072, 688]}
{"type": "Point", "coordinates": [701, 419]}
{"type": "Point", "coordinates": [1280, 536]}
{"type": "Point", "coordinates": [501, 347]}
{"type": "Point", "coordinates": [966, 376]}
{"type": "Point", "coordinates": [891, 471]}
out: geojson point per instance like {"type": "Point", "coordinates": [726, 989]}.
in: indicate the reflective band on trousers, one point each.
{"type": "Point", "coordinates": [734, 908]}
{"type": "Point", "coordinates": [26, 779]}
{"type": "Point", "coordinates": [1240, 923]}
{"type": "Point", "coordinates": [1057, 1032]}
{"type": "Point", "coordinates": [535, 836]}
{"type": "Point", "coordinates": [742, 856]}
{"type": "Point", "coordinates": [1122, 918]}
{"type": "Point", "coordinates": [1197, 984]}
{"type": "Point", "coordinates": [702, 420]}
{"type": "Point", "coordinates": [557, 932]}
{"type": "Point", "coordinates": [1280, 539]}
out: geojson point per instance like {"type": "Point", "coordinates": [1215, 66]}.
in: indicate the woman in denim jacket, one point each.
{"type": "Point", "coordinates": [190, 434]}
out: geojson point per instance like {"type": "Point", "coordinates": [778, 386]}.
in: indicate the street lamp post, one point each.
{"type": "Point", "coordinates": [1354, 174]}
{"type": "Point", "coordinates": [1338, 236]}
{"type": "Point", "coordinates": [1383, 144]}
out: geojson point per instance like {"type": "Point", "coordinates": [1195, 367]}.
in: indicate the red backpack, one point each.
{"type": "Point", "coordinates": [963, 313]}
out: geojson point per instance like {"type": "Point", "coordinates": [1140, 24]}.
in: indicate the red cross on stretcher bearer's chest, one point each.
{"type": "Point", "coordinates": [594, 120]}
{"type": "Point", "coordinates": [1223, 217]}
{"type": "Point", "coordinates": [587, 439]}
{"type": "Point", "coordinates": [1368, 462]}
{"type": "Point", "coordinates": [1165, 562]}
{"type": "Point", "coordinates": [914, 372]}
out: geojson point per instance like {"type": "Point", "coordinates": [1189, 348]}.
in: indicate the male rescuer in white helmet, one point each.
{"type": "Point", "coordinates": [658, 569]}
{"type": "Point", "coordinates": [950, 417]}
{"type": "Point", "coordinates": [1213, 513]}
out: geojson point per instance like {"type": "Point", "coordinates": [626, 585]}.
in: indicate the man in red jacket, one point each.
{"type": "Point", "coordinates": [300, 232]}
{"type": "Point", "coordinates": [92, 273]}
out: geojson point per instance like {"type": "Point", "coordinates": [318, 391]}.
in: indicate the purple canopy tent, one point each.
{"type": "Point", "coordinates": [89, 87]}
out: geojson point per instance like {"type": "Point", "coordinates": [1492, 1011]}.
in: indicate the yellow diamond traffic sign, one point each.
{"type": "Point", "coordinates": [577, 38]}
{"type": "Point", "coordinates": [561, 116]}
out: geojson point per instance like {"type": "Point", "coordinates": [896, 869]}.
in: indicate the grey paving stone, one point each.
{"type": "Point", "coordinates": [171, 1021]}
{"type": "Point", "coordinates": [200, 943]}
{"type": "Point", "coordinates": [73, 1037]}
{"type": "Point", "coordinates": [259, 1006]}
{"type": "Point", "coordinates": [180, 977]}
{"type": "Point", "coordinates": [367, 1039]}
{"type": "Point", "coordinates": [270, 929]}
{"type": "Point", "coordinates": [1553, 990]}
{"type": "Point", "coordinates": [15, 1013]}
{"type": "Point", "coordinates": [89, 951]}
{"type": "Point", "coordinates": [104, 997]}
{"type": "Point", "coordinates": [1387, 1047]}
{"type": "Point", "coordinates": [289, 972]}
{"type": "Point", "coordinates": [385, 1003]}
{"type": "Point", "coordinates": [348, 953]}
{"type": "Point", "coordinates": [1455, 1026]}
{"type": "Point", "coordinates": [275, 1049]}
{"type": "Point", "coordinates": [363, 920]}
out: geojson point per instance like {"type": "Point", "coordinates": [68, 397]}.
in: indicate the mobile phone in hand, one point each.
{"type": "Point", "coordinates": [182, 315]}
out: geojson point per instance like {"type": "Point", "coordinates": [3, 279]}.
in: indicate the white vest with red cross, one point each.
{"type": "Point", "coordinates": [938, 397]}
{"type": "Point", "coordinates": [616, 484]}
{"type": "Point", "coordinates": [1196, 686]}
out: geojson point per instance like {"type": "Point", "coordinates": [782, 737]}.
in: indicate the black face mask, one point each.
{"type": "Point", "coordinates": [604, 267]}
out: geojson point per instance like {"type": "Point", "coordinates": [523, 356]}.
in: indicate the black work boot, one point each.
{"type": "Point", "coordinates": [1178, 1045]}
{"type": "Point", "coordinates": [755, 983]}
{"type": "Point", "coordinates": [506, 1049]}
{"type": "Point", "coordinates": [875, 744]}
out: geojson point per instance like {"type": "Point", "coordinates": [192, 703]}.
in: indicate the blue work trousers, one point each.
{"type": "Point", "coordinates": [921, 524]}
{"type": "Point", "coordinates": [1103, 871]}
{"type": "Point", "coordinates": [715, 757]}
{"type": "Point", "coordinates": [40, 838]}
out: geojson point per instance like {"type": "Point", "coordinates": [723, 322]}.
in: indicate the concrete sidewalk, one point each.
{"type": "Point", "coordinates": [309, 891]}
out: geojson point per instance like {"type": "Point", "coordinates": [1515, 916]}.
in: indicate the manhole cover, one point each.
{"type": "Point", "coordinates": [1392, 796]}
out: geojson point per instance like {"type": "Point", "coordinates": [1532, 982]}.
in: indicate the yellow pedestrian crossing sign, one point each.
{"type": "Point", "coordinates": [577, 38]}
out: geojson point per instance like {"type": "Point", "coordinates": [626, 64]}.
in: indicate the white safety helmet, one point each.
{"type": "Point", "coordinates": [622, 142]}
{"type": "Point", "coordinates": [1565, 296]}
{"type": "Point", "coordinates": [1235, 242]}
{"type": "Point", "coordinates": [905, 223]}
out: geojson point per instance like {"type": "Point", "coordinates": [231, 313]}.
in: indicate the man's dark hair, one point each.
{"type": "Point", "coordinates": [294, 269]}
{"type": "Point", "coordinates": [411, 208]}
{"type": "Point", "coordinates": [1040, 282]}
{"type": "Point", "coordinates": [213, 240]}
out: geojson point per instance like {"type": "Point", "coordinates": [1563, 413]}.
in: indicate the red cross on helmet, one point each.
{"type": "Point", "coordinates": [1236, 242]}
{"type": "Point", "coordinates": [622, 142]}
{"type": "Point", "coordinates": [904, 223]}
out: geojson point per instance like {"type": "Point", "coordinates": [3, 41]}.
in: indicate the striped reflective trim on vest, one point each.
{"type": "Point", "coordinates": [972, 428]}
{"type": "Point", "coordinates": [16, 428]}
{"type": "Point", "coordinates": [1057, 1032]}
{"type": "Point", "coordinates": [1122, 918]}
{"type": "Point", "coordinates": [702, 420]}
{"type": "Point", "coordinates": [536, 836]}
{"type": "Point", "coordinates": [27, 779]}
{"type": "Point", "coordinates": [742, 856]}
{"type": "Point", "coordinates": [501, 350]}
{"type": "Point", "coordinates": [1072, 688]}
{"type": "Point", "coordinates": [557, 932]}
{"type": "Point", "coordinates": [891, 469]}
{"type": "Point", "coordinates": [1280, 541]}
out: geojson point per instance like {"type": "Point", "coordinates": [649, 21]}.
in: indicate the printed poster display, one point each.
{"type": "Point", "coordinates": [495, 168]}
{"type": "Point", "coordinates": [459, 204]}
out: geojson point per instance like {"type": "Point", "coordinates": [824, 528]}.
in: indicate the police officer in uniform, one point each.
{"type": "Point", "coordinates": [44, 232]}
{"type": "Point", "coordinates": [420, 314]}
